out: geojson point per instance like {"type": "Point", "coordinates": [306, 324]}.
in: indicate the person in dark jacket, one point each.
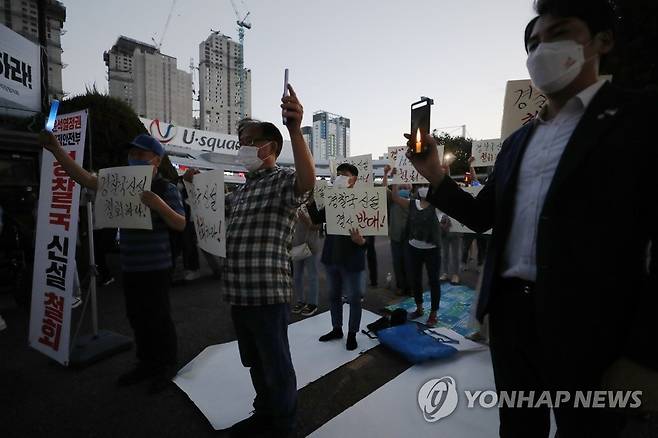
{"type": "Point", "coordinates": [344, 261]}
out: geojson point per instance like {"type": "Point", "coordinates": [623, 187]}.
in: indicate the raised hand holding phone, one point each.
{"type": "Point", "coordinates": [286, 92]}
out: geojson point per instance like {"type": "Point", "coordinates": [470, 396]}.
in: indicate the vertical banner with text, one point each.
{"type": "Point", "coordinates": [54, 253]}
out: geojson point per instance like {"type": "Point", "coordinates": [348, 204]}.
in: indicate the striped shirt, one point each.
{"type": "Point", "coordinates": [150, 250]}
{"type": "Point", "coordinates": [260, 217]}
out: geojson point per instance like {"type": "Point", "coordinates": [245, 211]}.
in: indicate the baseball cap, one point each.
{"type": "Point", "coordinates": [147, 143]}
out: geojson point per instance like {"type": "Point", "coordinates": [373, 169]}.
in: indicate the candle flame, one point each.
{"type": "Point", "coordinates": [418, 142]}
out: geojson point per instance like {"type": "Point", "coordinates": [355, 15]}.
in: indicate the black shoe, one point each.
{"type": "Point", "coordinates": [336, 333]}
{"type": "Point", "coordinates": [162, 379]}
{"type": "Point", "coordinates": [138, 374]}
{"type": "Point", "coordinates": [351, 341]}
{"type": "Point", "coordinates": [253, 426]}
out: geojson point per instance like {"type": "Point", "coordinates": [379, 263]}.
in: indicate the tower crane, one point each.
{"type": "Point", "coordinates": [242, 25]}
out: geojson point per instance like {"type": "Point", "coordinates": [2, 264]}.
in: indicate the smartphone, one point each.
{"type": "Point", "coordinates": [420, 122]}
{"type": "Point", "coordinates": [285, 91]}
{"type": "Point", "coordinates": [50, 123]}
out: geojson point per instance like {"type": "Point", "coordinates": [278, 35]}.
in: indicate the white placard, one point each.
{"type": "Point", "coordinates": [118, 203]}
{"type": "Point", "coordinates": [458, 227]}
{"type": "Point", "coordinates": [54, 253]}
{"type": "Point", "coordinates": [363, 163]}
{"type": "Point", "coordinates": [485, 152]}
{"type": "Point", "coordinates": [364, 208]}
{"type": "Point", "coordinates": [319, 192]}
{"type": "Point", "coordinates": [20, 74]}
{"type": "Point", "coordinates": [406, 173]}
{"type": "Point", "coordinates": [206, 199]}
{"type": "Point", "coordinates": [522, 103]}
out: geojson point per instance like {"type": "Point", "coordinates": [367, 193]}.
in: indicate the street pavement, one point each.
{"type": "Point", "coordinates": [40, 398]}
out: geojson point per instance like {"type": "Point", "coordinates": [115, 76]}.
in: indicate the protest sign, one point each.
{"type": "Point", "coordinates": [485, 152]}
{"type": "Point", "coordinates": [363, 163]}
{"type": "Point", "coordinates": [319, 193]}
{"type": "Point", "coordinates": [406, 173]}
{"type": "Point", "coordinates": [206, 199]}
{"type": "Point", "coordinates": [118, 203]}
{"type": "Point", "coordinates": [363, 208]}
{"type": "Point", "coordinates": [522, 103]}
{"type": "Point", "coordinates": [458, 227]}
{"type": "Point", "coordinates": [54, 253]}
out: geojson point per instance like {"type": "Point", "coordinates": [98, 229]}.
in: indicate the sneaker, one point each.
{"type": "Point", "coordinates": [351, 341]}
{"type": "Point", "coordinates": [297, 308]}
{"type": "Point", "coordinates": [444, 277]}
{"type": "Point", "coordinates": [309, 310]}
{"type": "Point", "coordinates": [192, 275]}
{"type": "Point", "coordinates": [138, 374]}
{"type": "Point", "coordinates": [3, 323]}
{"type": "Point", "coordinates": [432, 321]}
{"type": "Point", "coordinates": [455, 279]}
{"type": "Point", "coordinates": [336, 333]}
{"type": "Point", "coordinates": [416, 313]}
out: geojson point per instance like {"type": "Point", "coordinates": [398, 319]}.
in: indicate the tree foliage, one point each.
{"type": "Point", "coordinates": [460, 147]}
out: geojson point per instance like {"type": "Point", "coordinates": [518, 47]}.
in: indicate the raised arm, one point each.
{"type": "Point", "coordinates": [49, 141]}
{"type": "Point", "coordinates": [293, 111]}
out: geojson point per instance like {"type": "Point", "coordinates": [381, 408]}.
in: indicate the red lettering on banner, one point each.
{"type": "Point", "coordinates": [51, 326]}
{"type": "Point", "coordinates": [370, 221]}
{"type": "Point", "coordinates": [68, 124]}
{"type": "Point", "coordinates": [62, 196]}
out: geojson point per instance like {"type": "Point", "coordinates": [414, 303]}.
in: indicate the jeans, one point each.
{"type": "Point", "coordinates": [149, 313]}
{"type": "Point", "coordinates": [431, 258]}
{"type": "Point", "coordinates": [262, 333]}
{"type": "Point", "coordinates": [451, 245]}
{"type": "Point", "coordinates": [310, 264]}
{"type": "Point", "coordinates": [400, 255]}
{"type": "Point", "coordinates": [350, 284]}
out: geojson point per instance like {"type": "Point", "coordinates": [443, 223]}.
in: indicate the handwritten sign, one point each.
{"type": "Point", "coordinates": [118, 203]}
{"type": "Point", "coordinates": [522, 103]}
{"type": "Point", "coordinates": [363, 208]}
{"type": "Point", "coordinates": [363, 163]}
{"type": "Point", "coordinates": [406, 172]}
{"type": "Point", "coordinates": [458, 227]}
{"type": "Point", "coordinates": [319, 193]}
{"type": "Point", "coordinates": [485, 152]}
{"type": "Point", "coordinates": [206, 199]}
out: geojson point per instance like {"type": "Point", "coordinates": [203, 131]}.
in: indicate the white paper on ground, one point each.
{"type": "Point", "coordinates": [221, 387]}
{"type": "Point", "coordinates": [393, 409]}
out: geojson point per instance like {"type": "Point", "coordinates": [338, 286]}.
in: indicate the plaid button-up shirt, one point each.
{"type": "Point", "coordinates": [260, 223]}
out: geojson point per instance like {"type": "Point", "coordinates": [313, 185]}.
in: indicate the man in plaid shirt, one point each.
{"type": "Point", "coordinates": [260, 218]}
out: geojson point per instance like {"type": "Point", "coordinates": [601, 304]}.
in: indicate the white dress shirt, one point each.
{"type": "Point", "coordinates": [536, 173]}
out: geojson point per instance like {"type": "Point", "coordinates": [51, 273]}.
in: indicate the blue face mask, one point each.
{"type": "Point", "coordinates": [404, 194]}
{"type": "Point", "coordinates": [133, 162]}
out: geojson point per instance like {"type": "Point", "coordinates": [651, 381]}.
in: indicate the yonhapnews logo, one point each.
{"type": "Point", "coordinates": [155, 128]}
{"type": "Point", "coordinates": [438, 398]}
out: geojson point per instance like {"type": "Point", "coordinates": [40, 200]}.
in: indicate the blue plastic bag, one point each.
{"type": "Point", "coordinates": [409, 341]}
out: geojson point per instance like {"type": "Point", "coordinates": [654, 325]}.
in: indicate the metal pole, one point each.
{"type": "Point", "coordinates": [92, 266]}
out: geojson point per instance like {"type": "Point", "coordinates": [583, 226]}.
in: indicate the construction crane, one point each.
{"type": "Point", "coordinates": [158, 43]}
{"type": "Point", "coordinates": [242, 25]}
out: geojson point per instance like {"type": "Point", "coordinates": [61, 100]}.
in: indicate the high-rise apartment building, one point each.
{"type": "Point", "coordinates": [331, 136]}
{"type": "Point", "coordinates": [219, 85]}
{"type": "Point", "coordinates": [149, 81]}
{"type": "Point", "coordinates": [307, 133]}
{"type": "Point", "coordinates": [21, 16]}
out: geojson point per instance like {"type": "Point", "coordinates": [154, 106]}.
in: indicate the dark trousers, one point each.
{"type": "Point", "coordinates": [262, 333]}
{"type": "Point", "coordinates": [190, 251]}
{"type": "Point", "coordinates": [103, 244]}
{"type": "Point", "coordinates": [481, 240]}
{"type": "Point", "coordinates": [149, 313]}
{"type": "Point", "coordinates": [431, 259]}
{"type": "Point", "coordinates": [517, 362]}
{"type": "Point", "coordinates": [400, 256]}
{"type": "Point", "coordinates": [371, 254]}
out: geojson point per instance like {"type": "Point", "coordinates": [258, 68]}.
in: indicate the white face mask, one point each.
{"type": "Point", "coordinates": [553, 66]}
{"type": "Point", "coordinates": [248, 157]}
{"type": "Point", "coordinates": [341, 182]}
{"type": "Point", "coordinates": [422, 192]}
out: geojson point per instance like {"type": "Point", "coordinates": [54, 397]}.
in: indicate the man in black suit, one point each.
{"type": "Point", "coordinates": [566, 283]}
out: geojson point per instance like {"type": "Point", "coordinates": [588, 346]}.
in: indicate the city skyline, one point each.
{"type": "Point", "coordinates": [370, 66]}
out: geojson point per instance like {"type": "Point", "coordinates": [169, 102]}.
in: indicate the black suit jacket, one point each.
{"type": "Point", "coordinates": [595, 298]}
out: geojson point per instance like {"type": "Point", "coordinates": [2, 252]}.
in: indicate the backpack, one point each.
{"type": "Point", "coordinates": [397, 317]}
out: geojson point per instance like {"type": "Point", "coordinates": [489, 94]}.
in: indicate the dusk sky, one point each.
{"type": "Point", "coordinates": [367, 60]}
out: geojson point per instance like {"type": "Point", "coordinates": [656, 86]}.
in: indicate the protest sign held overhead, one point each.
{"type": "Point", "coordinates": [118, 202]}
{"type": "Point", "coordinates": [485, 152]}
{"type": "Point", "coordinates": [406, 173]}
{"type": "Point", "coordinates": [56, 235]}
{"type": "Point", "coordinates": [206, 199]}
{"type": "Point", "coordinates": [362, 208]}
{"type": "Point", "coordinates": [363, 163]}
{"type": "Point", "coordinates": [319, 193]}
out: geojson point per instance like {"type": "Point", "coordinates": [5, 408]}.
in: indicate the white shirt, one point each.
{"type": "Point", "coordinates": [536, 173]}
